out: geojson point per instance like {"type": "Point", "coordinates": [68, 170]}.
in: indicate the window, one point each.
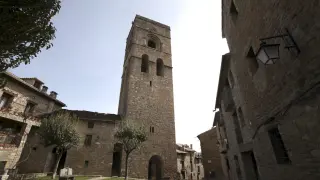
{"type": "Point", "coordinates": [183, 173]}
{"type": "Point", "coordinates": [160, 67]}
{"type": "Point", "coordinates": [5, 100]}
{"type": "Point", "coordinates": [90, 125]}
{"type": "Point", "coordinates": [87, 141]}
{"type": "Point", "coordinates": [2, 166]}
{"type": "Point", "coordinates": [253, 63]}
{"type": "Point", "coordinates": [237, 127]}
{"type": "Point", "coordinates": [151, 44]}
{"type": "Point", "coordinates": [29, 108]}
{"type": "Point", "coordinates": [86, 164]}
{"type": "Point", "coordinates": [151, 129]}
{"type": "Point", "coordinates": [227, 163]}
{"type": "Point", "coordinates": [240, 116]}
{"type": "Point", "coordinates": [233, 10]}
{"type": "Point", "coordinates": [182, 164]}
{"type": "Point", "coordinates": [145, 63]}
{"type": "Point", "coordinates": [250, 165]}
{"type": "Point", "coordinates": [150, 83]}
{"type": "Point", "coordinates": [278, 147]}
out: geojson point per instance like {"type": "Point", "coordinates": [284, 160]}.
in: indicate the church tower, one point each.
{"type": "Point", "coordinates": [147, 97]}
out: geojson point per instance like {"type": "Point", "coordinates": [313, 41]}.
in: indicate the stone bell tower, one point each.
{"type": "Point", "coordinates": [147, 97]}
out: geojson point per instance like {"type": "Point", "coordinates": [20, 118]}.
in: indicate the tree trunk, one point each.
{"type": "Point", "coordinates": [126, 171]}
{"type": "Point", "coordinates": [57, 164]}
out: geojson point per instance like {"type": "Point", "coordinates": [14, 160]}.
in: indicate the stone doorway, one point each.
{"type": "Point", "coordinates": [116, 160]}
{"type": "Point", "coordinates": [155, 169]}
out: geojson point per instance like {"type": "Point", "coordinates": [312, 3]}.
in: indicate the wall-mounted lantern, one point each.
{"type": "Point", "coordinates": [269, 53]}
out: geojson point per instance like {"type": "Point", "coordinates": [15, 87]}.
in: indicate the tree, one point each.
{"type": "Point", "coordinates": [131, 136]}
{"type": "Point", "coordinates": [26, 28]}
{"type": "Point", "coordinates": [59, 130]}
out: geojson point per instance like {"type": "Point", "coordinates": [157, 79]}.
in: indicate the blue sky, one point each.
{"type": "Point", "coordinates": [85, 64]}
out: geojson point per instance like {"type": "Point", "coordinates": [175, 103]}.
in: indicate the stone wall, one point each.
{"type": "Point", "coordinates": [282, 95]}
{"type": "Point", "coordinates": [148, 98]}
{"type": "Point", "coordinates": [211, 159]}
{"type": "Point", "coordinates": [99, 154]}
{"type": "Point", "coordinates": [21, 95]}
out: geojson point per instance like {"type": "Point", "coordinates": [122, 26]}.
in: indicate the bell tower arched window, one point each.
{"type": "Point", "coordinates": [160, 67]}
{"type": "Point", "coordinates": [145, 63]}
{"type": "Point", "coordinates": [152, 44]}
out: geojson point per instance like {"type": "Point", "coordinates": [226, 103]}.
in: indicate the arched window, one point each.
{"type": "Point", "coordinates": [152, 44]}
{"type": "Point", "coordinates": [160, 67]}
{"type": "Point", "coordinates": [145, 63]}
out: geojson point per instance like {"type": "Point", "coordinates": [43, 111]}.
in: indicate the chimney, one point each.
{"type": "Point", "coordinates": [53, 94]}
{"type": "Point", "coordinates": [44, 89]}
{"type": "Point", "coordinates": [190, 146]}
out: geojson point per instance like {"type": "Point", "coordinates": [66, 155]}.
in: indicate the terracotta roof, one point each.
{"type": "Point", "coordinates": [22, 82]}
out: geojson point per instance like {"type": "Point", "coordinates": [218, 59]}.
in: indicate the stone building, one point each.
{"type": "Point", "coordinates": [189, 163]}
{"type": "Point", "coordinates": [146, 96]}
{"type": "Point", "coordinates": [97, 153]}
{"type": "Point", "coordinates": [199, 170]}
{"type": "Point", "coordinates": [211, 159]}
{"type": "Point", "coordinates": [20, 100]}
{"type": "Point", "coordinates": [268, 89]}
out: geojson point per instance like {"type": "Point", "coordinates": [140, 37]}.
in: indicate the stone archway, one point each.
{"type": "Point", "coordinates": [155, 168]}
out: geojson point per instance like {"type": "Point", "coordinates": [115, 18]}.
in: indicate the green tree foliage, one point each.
{"type": "Point", "coordinates": [131, 136]}
{"type": "Point", "coordinates": [59, 130]}
{"type": "Point", "coordinates": [25, 28]}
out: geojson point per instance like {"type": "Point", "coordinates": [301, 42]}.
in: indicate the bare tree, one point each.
{"type": "Point", "coordinates": [131, 136]}
{"type": "Point", "coordinates": [59, 130]}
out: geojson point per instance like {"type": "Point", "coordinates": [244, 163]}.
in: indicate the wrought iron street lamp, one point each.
{"type": "Point", "coordinates": [269, 53]}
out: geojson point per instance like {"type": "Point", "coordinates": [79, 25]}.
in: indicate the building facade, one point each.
{"type": "Point", "coordinates": [189, 163]}
{"type": "Point", "coordinates": [268, 89]}
{"type": "Point", "coordinates": [211, 159]}
{"type": "Point", "coordinates": [97, 153]}
{"type": "Point", "coordinates": [21, 99]}
{"type": "Point", "coordinates": [146, 97]}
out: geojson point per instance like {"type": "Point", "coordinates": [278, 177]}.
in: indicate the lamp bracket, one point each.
{"type": "Point", "coordinates": [287, 38]}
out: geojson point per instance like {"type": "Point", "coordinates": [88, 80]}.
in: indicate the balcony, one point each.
{"type": "Point", "coordinates": [228, 100]}
{"type": "Point", "coordinates": [14, 111]}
